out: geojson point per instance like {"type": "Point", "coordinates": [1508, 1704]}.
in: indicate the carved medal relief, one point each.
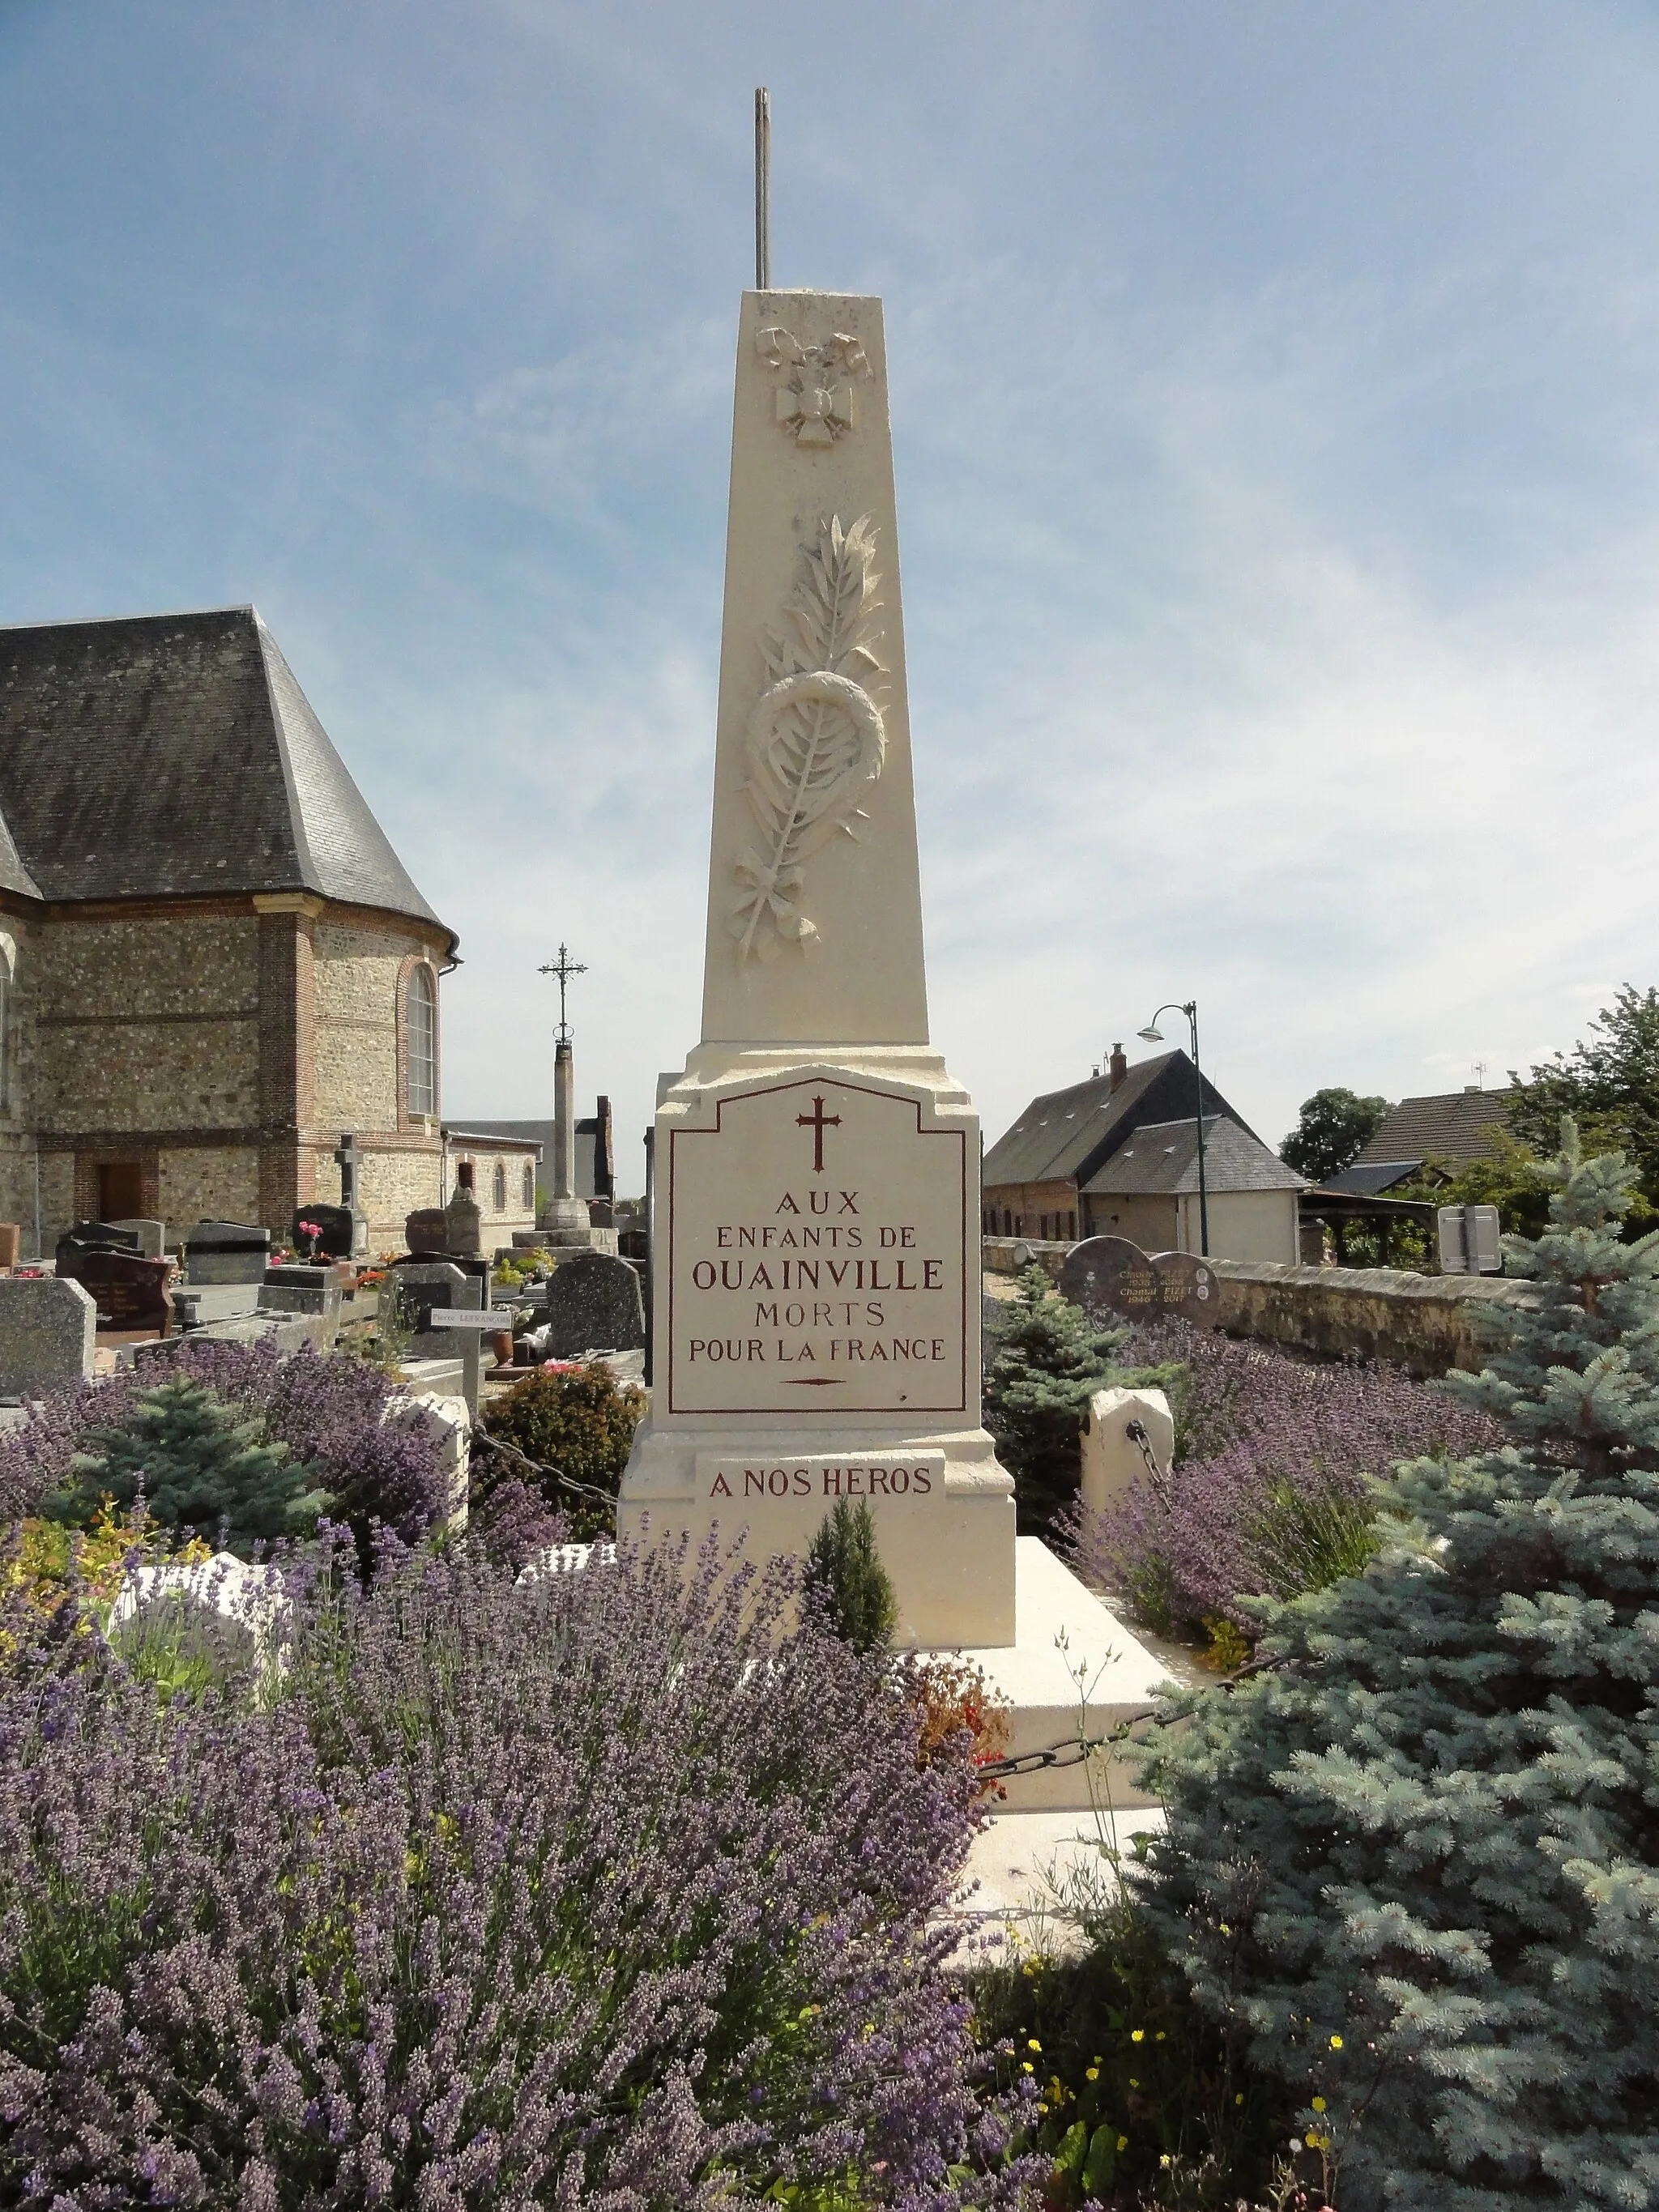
{"type": "Point", "coordinates": [814, 401]}
{"type": "Point", "coordinates": [816, 742]}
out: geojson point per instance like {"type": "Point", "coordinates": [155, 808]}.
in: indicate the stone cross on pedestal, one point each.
{"type": "Point", "coordinates": [564, 1217]}
{"type": "Point", "coordinates": [345, 1159]}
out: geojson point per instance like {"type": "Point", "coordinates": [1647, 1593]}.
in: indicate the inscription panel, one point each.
{"type": "Point", "coordinates": [818, 1257]}
{"type": "Point", "coordinates": [760, 1482]}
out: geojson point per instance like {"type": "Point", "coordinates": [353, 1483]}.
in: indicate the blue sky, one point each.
{"type": "Point", "coordinates": [1276, 412]}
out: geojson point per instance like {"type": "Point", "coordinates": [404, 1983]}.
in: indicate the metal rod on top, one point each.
{"type": "Point", "coordinates": [763, 189]}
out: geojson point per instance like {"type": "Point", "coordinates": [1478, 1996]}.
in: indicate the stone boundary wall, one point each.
{"type": "Point", "coordinates": [1012, 1255]}
{"type": "Point", "coordinates": [1423, 1323]}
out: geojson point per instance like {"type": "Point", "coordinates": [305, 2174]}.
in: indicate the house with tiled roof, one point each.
{"type": "Point", "coordinates": [213, 965]}
{"type": "Point", "coordinates": [1059, 1174]}
{"type": "Point", "coordinates": [1449, 1130]}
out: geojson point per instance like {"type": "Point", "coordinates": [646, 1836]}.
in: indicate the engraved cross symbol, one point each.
{"type": "Point", "coordinates": [817, 1121]}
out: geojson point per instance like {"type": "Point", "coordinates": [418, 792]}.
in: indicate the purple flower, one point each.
{"type": "Point", "coordinates": [1270, 1492]}
{"type": "Point", "coordinates": [578, 1891]}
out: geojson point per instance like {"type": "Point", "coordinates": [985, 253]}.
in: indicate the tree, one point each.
{"type": "Point", "coordinates": [1610, 1085]}
{"type": "Point", "coordinates": [1049, 1361]}
{"type": "Point", "coordinates": [198, 1464]}
{"type": "Point", "coordinates": [1335, 1127]}
{"type": "Point", "coordinates": [1415, 1859]}
{"type": "Point", "coordinates": [845, 1574]}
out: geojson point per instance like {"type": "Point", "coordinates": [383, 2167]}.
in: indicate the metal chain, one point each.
{"type": "Point", "coordinates": [1072, 1753]}
{"type": "Point", "coordinates": [1136, 1432]}
{"type": "Point", "coordinates": [562, 1482]}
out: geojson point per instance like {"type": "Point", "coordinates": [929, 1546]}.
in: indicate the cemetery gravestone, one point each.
{"type": "Point", "coordinates": [422, 1286]}
{"type": "Point", "coordinates": [152, 1235]}
{"type": "Point", "coordinates": [427, 1230]}
{"type": "Point", "coordinates": [11, 1238]}
{"type": "Point", "coordinates": [462, 1225]}
{"type": "Point", "coordinates": [227, 1252]}
{"type": "Point", "coordinates": [92, 1237]}
{"type": "Point", "coordinates": [334, 1229]}
{"type": "Point", "coordinates": [593, 1301]}
{"type": "Point", "coordinates": [1187, 1287]}
{"type": "Point", "coordinates": [129, 1292]}
{"type": "Point", "coordinates": [1110, 1275]}
{"type": "Point", "coordinates": [346, 1158]}
{"type": "Point", "coordinates": [48, 1334]}
{"type": "Point", "coordinates": [295, 1287]}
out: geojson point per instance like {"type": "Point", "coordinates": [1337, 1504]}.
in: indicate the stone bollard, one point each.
{"type": "Point", "coordinates": [1112, 1458]}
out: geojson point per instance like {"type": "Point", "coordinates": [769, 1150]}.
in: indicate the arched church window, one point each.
{"type": "Point", "coordinates": [499, 1190]}
{"type": "Point", "coordinates": [421, 1001]}
{"type": "Point", "coordinates": [529, 1187]}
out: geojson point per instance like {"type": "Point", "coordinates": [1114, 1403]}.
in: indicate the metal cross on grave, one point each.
{"type": "Point", "coordinates": [817, 1121]}
{"type": "Point", "coordinates": [564, 967]}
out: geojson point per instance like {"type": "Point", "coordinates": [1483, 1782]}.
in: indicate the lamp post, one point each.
{"type": "Point", "coordinates": [1153, 1035]}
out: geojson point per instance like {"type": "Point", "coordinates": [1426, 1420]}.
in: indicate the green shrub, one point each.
{"type": "Point", "coordinates": [845, 1574]}
{"type": "Point", "coordinates": [1048, 1361]}
{"type": "Point", "coordinates": [1134, 2093]}
{"type": "Point", "coordinates": [1415, 1856]}
{"type": "Point", "coordinates": [200, 1466]}
{"type": "Point", "coordinates": [578, 1420]}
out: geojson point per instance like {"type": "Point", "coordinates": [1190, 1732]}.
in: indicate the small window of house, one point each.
{"type": "Point", "coordinates": [422, 1007]}
{"type": "Point", "coordinates": [498, 1186]}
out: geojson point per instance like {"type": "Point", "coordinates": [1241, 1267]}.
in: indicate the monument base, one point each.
{"type": "Point", "coordinates": [949, 1548]}
{"type": "Point", "coordinates": [564, 1224]}
{"type": "Point", "coordinates": [816, 1225]}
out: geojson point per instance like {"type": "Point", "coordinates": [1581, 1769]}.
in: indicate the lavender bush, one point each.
{"type": "Point", "coordinates": [614, 1890]}
{"type": "Point", "coordinates": [1270, 1493]}
{"type": "Point", "coordinates": [330, 1411]}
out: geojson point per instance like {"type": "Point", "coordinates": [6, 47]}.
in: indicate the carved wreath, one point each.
{"type": "Point", "coordinates": [816, 739]}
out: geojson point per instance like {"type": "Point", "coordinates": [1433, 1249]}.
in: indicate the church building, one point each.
{"type": "Point", "coordinates": [213, 966]}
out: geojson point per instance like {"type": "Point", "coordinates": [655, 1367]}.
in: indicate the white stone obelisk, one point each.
{"type": "Point", "coordinates": [815, 1253]}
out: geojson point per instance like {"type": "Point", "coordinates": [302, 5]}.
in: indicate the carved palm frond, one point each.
{"type": "Point", "coordinates": [816, 739]}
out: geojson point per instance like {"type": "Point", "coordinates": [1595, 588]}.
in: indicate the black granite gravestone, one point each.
{"type": "Point", "coordinates": [334, 1226]}
{"type": "Point", "coordinates": [227, 1252]}
{"type": "Point", "coordinates": [594, 1302]}
{"type": "Point", "coordinates": [93, 1237]}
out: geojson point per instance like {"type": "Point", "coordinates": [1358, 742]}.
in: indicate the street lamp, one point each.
{"type": "Point", "coordinates": [1153, 1035]}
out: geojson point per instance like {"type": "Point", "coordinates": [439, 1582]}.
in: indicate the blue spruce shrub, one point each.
{"type": "Point", "coordinates": [1415, 1861]}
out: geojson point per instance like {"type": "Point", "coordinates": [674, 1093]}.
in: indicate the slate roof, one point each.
{"type": "Point", "coordinates": [165, 755]}
{"type": "Point", "coordinates": [1452, 1125]}
{"type": "Point", "coordinates": [1366, 1178]}
{"type": "Point", "coordinates": [1066, 1135]}
{"type": "Point", "coordinates": [1163, 1156]}
{"type": "Point", "coordinates": [544, 1133]}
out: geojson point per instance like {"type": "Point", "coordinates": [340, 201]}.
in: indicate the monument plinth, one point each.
{"type": "Point", "coordinates": [815, 1236]}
